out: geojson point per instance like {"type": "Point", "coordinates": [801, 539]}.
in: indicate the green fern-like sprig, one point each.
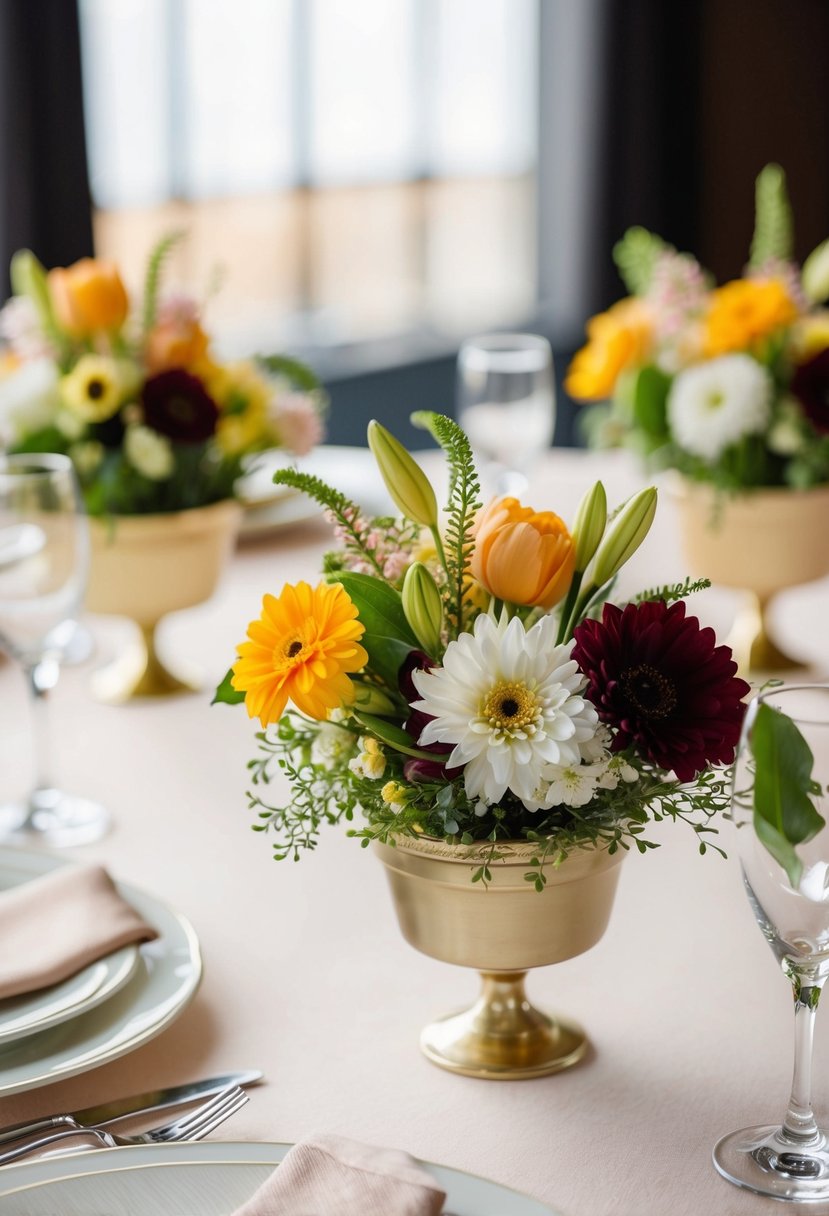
{"type": "Point", "coordinates": [635, 256]}
{"type": "Point", "coordinates": [773, 229]}
{"type": "Point", "coordinates": [673, 591]}
{"type": "Point", "coordinates": [152, 279]}
{"type": "Point", "coordinates": [464, 501]}
{"type": "Point", "coordinates": [345, 511]}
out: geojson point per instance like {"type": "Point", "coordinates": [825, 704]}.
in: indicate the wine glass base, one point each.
{"type": "Point", "coordinates": [761, 1159]}
{"type": "Point", "coordinates": [55, 820]}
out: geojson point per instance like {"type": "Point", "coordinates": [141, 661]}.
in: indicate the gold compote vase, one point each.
{"type": "Point", "coordinates": [146, 566]}
{"type": "Point", "coordinates": [502, 929]}
{"type": "Point", "coordinates": [760, 542]}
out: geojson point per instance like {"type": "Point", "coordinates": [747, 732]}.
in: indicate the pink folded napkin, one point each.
{"type": "Point", "coordinates": [54, 926]}
{"type": "Point", "coordinates": [332, 1176]}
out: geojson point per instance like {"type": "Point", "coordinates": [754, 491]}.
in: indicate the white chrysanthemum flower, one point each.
{"type": "Point", "coordinates": [149, 452]}
{"type": "Point", "coordinates": [715, 404]}
{"type": "Point", "coordinates": [508, 699]}
{"type": "Point", "coordinates": [571, 784]}
{"type": "Point", "coordinates": [28, 398]}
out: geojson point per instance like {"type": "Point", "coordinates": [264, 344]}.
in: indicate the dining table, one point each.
{"type": "Point", "coordinates": [307, 977]}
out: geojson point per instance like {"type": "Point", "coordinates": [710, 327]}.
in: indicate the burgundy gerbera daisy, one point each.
{"type": "Point", "coordinates": [810, 384]}
{"type": "Point", "coordinates": [663, 684]}
{"type": "Point", "coordinates": [177, 405]}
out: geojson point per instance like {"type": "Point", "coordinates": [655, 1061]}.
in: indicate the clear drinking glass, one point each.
{"type": "Point", "coordinates": [788, 1160]}
{"type": "Point", "coordinates": [44, 562]}
{"type": "Point", "coordinates": [506, 403]}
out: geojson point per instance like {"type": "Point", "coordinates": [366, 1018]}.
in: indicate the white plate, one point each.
{"type": "Point", "coordinates": [206, 1179]}
{"type": "Point", "coordinates": [32, 1012]}
{"type": "Point", "coordinates": [162, 985]}
{"type": "Point", "coordinates": [350, 470]}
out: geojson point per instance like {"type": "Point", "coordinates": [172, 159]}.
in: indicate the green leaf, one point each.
{"type": "Point", "coordinates": [635, 257]}
{"type": "Point", "coordinates": [380, 607]}
{"type": "Point", "coordinates": [395, 737]}
{"type": "Point", "coordinates": [773, 234]}
{"type": "Point", "coordinates": [226, 694]}
{"type": "Point", "coordinates": [649, 391]}
{"type": "Point", "coordinates": [152, 279]}
{"type": "Point", "coordinates": [784, 813]}
{"type": "Point", "coordinates": [300, 376]}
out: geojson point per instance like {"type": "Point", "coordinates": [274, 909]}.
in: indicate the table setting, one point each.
{"type": "Point", "coordinates": [471, 735]}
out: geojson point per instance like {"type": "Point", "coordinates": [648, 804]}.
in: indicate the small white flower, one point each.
{"type": "Point", "coordinates": [508, 699]}
{"type": "Point", "coordinates": [370, 761]}
{"type": "Point", "coordinates": [29, 398]}
{"type": "Point", "coordinates": [331, 746]}
{"type": "Point", "coordinates": [713, 405]}
{"type": "Point", "coordinates": [148, 452]}
{"type": "Point", "coordinates": [87, 456]}
{"type": "Point", "coordinates": [571, 784]}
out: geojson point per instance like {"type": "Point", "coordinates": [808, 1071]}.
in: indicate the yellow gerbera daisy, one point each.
{"type": "Point", "coordinates": [94, 389]}
{"type": "Point", "coordinates": [302, 648]}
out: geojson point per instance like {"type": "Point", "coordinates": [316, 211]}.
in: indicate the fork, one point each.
{"type": "Point", "coordinates": [195, 1125]}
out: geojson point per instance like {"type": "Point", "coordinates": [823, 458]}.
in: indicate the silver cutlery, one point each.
{"type": "Point", "coordinates": [195, 1125]}
{"type": "Point", "coordinates": [137, 1104]}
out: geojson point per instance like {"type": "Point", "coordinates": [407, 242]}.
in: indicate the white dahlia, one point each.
{"type": "Point", "coordinates": [713, 405]}
{"type": "Point", "coordinates": [508, 699]}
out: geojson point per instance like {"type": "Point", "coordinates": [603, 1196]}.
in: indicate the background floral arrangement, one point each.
{"type": "Point", "coordinates": [728, 384]}
{"type": "Point", "coordinates": [153, 421]}
{"type": "Point", "coordinates": [474, 682]}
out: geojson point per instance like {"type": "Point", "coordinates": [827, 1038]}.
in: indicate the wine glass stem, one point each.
{"type": "Point", "coordinates": [42, 676]}
{"type": "Point", "coordinates": [799, 1123]}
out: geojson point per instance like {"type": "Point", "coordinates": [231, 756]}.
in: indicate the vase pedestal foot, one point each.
{"type": "Point", "coordinates": [754, 650]}
{"type": "Point", "coordinates": [503, 1037]}
{"type": "Point", "coordinates": [139, 672]}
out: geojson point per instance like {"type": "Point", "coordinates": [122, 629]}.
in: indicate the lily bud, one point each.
{"type": "Point", "coordinates": [422, 606]}
{"type": "Point", "coordinates": [28, 278]}
{"type": "Point", "coordinates": [591, 521]}
{"type": "Point", "coordinates": [624, 538]}
{"type": "Point", "coordinates": [372, 700]}
{"type": "Point", "coordinates": [405, 481]}
{"type": "Point", "coordinates": [815, 274]}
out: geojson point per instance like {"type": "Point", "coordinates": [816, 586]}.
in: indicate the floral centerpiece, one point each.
{"type": "Point", "coordinates": [476, 683]}
{"type": "Point", "coordinates": [466, 694]}
{"type": "Point", "coordinates": [727, 384]}
{"type": "Point", "coordinates": [153, 420]}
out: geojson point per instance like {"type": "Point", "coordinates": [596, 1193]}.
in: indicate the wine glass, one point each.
{"type": "Point", "coordinates": [790, 1160]}
{"type": "Point", "coordinates": [44, 560]}
{"type": "Point", "coordinates": [506, 403]}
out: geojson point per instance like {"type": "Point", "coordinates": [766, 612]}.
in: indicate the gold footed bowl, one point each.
{"type": "Point", "coordinates": [502, 930]}
{"type": "Point", "coordinates": [760, 542]}
{"type": "Point", "coordinates": [145, 566]}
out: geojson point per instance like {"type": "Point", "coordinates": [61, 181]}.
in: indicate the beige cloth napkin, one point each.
{"type": "Point", "coordinates": [332, 1176]}
{"type": "Point", "coordinates": [54, 926]}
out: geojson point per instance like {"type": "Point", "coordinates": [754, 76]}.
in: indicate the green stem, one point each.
{"type": "Point", "coordinates": [567, 607]}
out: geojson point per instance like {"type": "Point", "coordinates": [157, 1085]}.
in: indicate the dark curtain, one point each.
{"type": "Point", "coordinates": [648, 152]}
{"type": "Point", "coordinates": [44, 188]}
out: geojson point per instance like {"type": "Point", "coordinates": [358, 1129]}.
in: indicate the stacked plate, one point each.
{"type": "Point", "coordinates": [107, 1009]}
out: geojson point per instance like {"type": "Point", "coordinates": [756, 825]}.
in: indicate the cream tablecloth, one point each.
{"type": "Point", "coordinates": [307, 977]}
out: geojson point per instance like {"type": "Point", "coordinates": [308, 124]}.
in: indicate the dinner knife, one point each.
{"type": "Point", "coordinates": [139, 1104]}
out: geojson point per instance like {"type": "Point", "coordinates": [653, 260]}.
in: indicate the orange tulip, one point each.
{"type": "Point", "coordinates": [178, 341]}
{"type": "Point", "coordinates": [522, 556]}
{"type": "Point", "coordinates": [88, 297]}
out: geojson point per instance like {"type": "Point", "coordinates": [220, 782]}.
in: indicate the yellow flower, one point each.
{"type": "Point", "coordinates": [522, 556]}
{"type": "Point", "coordinates": [745, 311]}
{"type": "Point", "coordinates": [303, 647]}
{"type": "Point", "coordinates": [88, 297]}
{"type": "Point", "coordinates": [93, 390]}
{"type": "Point", "coordinates": [616, 339]}
{"type": "Point", "coordinates": [243, 396]}
{"type": "Point", "coordinates": [810, 336]}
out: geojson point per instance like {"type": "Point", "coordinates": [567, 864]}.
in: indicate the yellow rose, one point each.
{"type": "Point", "coordinates": [743, 312]}
{"type": "Point", "coordinates": [810, 336]}
{"type": "Point", "coordinates": [522, 556]}
{"type": "Point", "coordinates": [616, 339]}
{"type": "Point", "coordinates": [88, 297]}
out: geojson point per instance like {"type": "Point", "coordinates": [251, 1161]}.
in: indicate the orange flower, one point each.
{"type": "Point", "coordinates": [303, 647]}
{"type": "Point", "coordinates": [743, 312]}
{"type": "Point", "coordinates": [522, 556]}
{"type": "Point", "coordinates": [176, 342]}
{"type": "Point", "coordinates": [616, 339]}
{"type": "Point", "coordinates": [88, 297]}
